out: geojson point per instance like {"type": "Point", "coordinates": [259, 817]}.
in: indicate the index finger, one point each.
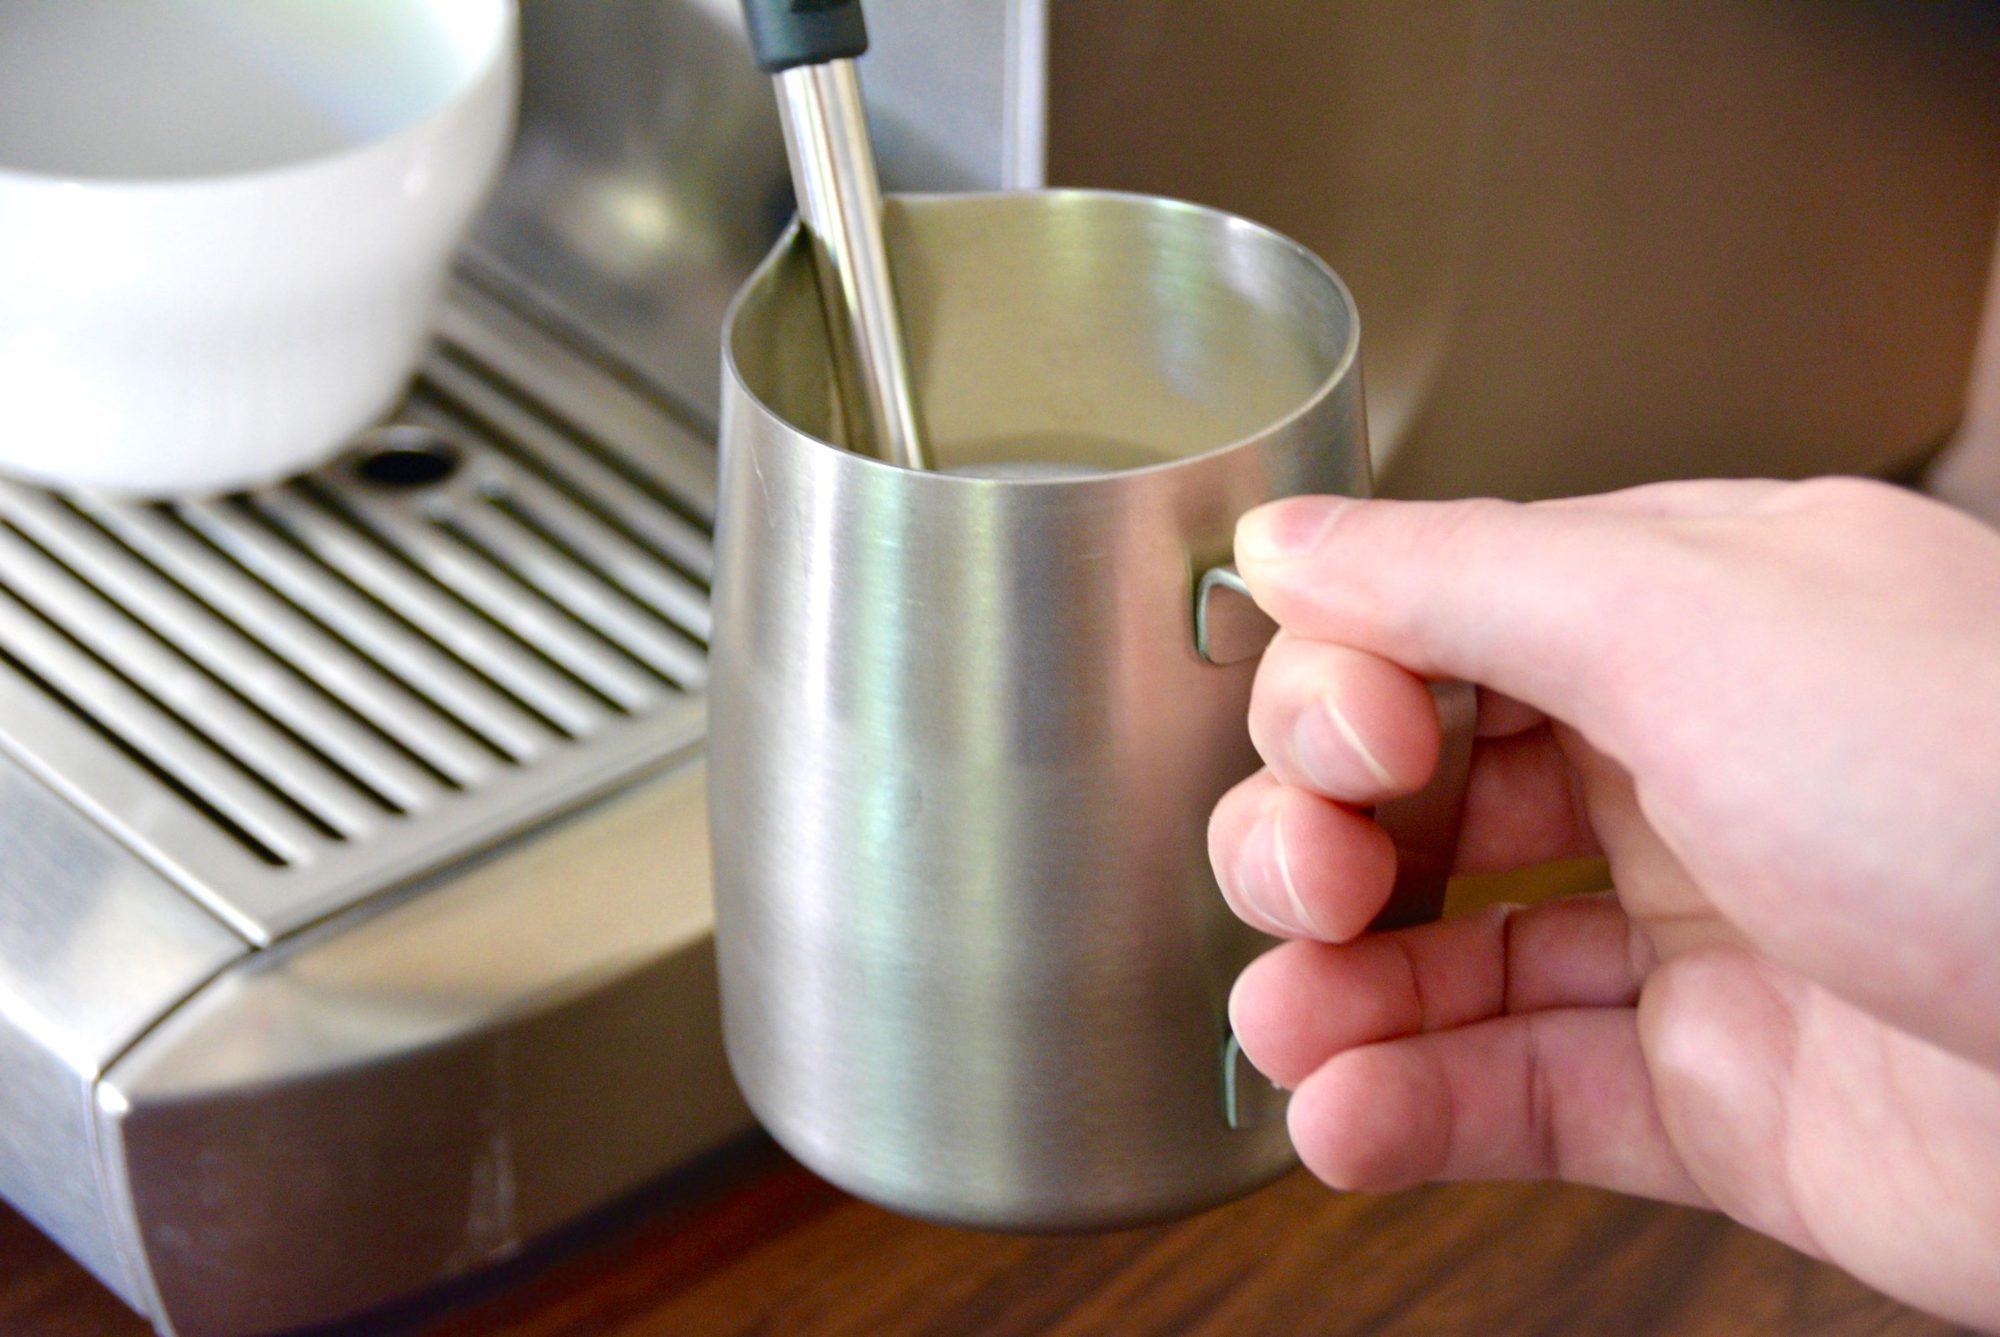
{"type": "Point", "coordinates": [1539, 602]}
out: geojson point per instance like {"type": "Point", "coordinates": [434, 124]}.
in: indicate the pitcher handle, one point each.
{"type": "Point", "coordinates": [1229, 628]}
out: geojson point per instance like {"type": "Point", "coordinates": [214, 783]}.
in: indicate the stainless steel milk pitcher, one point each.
{"type": "Point", "coordinates": [964, 743]}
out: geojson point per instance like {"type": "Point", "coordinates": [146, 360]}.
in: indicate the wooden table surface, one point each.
{"type": "Point", "coordinates": [751, 1243]}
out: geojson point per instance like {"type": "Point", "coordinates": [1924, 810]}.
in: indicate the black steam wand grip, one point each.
{"type": "Point", "coordinates": [785, 34]}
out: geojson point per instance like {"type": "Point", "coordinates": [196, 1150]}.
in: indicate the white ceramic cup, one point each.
{"type": "Point", "coordinates": [224, 224]}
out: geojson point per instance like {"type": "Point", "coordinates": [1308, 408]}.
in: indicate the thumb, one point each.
{"type": "Point", "coordinates": [1550, 603]}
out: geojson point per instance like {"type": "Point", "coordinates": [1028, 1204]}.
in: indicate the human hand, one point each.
{"type": "Point", "coordinates": [1775, 710]}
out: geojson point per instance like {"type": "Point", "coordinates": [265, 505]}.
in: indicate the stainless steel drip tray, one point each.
{"type": "Point", "coordinates": [490, 609]}
{"type": "Point", "coordinates": [354, 905]}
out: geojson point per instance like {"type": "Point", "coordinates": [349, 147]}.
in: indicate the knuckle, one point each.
{"type": "Point", "coordinates": [1845, 494]}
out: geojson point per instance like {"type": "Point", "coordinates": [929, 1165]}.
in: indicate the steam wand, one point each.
{"type": "Point", "coordinates": [808, 47]}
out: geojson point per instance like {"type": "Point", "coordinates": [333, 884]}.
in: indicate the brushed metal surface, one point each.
{"type": "Point", "coordinates": [650, 175]}
{"type": "Point", "coordinates": [295, 698]}
{"type": "Point", "coordinates": [840, 209]}
{"type": "Point", "coordinates": [562, 1002]}
{"type": "Point", "coordinates": [974, 963]}
{"type": "Point", "coordinates": [94, 946]}
{"type": "Point", "coordinates": [224, 720]}
{"type": "Point", "coordinates": [988, 130]}
{"type": "Point", "coordinates": [417, 1088]}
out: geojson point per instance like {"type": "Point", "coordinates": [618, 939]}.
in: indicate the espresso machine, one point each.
{"type": "Point", "coordinates": [354, 903]}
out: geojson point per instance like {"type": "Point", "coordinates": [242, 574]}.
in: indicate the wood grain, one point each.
{"type": "Point", "coordinates": [44, 1294]}
{"type": "Point", "coordinates": [750, 1243]}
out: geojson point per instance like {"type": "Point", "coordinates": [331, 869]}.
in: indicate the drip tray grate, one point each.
{"type": "Point", "coordinates": [491, 608]}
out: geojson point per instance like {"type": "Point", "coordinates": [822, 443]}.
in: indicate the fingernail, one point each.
{"type": "Point", "coordinates": [1283, 530]}
{"type": "Point", "coordinates": [1264, 880]}
{"type": "Point", "coordinates": [1323, 741]}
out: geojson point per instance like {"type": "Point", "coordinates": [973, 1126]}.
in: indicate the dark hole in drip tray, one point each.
{"type": "Point", "coordinates": [405, 457]}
